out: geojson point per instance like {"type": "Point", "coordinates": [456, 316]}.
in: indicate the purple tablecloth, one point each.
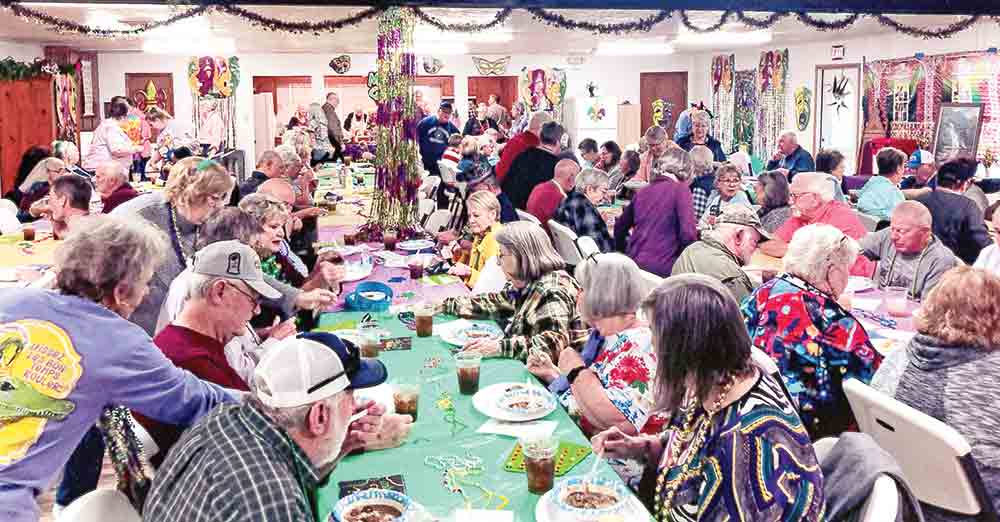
{"type": "Point", "coordinates": [855, 182]}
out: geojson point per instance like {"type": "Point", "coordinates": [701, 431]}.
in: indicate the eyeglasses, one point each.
{"type": "Point", "coordinates": [254, 300]}
{"type": "Point", "coordinates": [729, 182]}
{"type": "Point", "coordinates": [796, 195]}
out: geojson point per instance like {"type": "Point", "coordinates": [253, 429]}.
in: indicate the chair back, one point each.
{"type": "Point", "coordinates": [870, 222]}
{"type": "Point", "coordinates": [429, 185]}
{"type": "Point", "coordinates": [587, 246]}
{"type": "Point", "coordinates": [936, 459]}
{"type": "Point", "coordinates": [8, 217]}
{"type": "Point", "coordinates": [564, 239]}
{"type": "Point", "coordinates": [426, 207]}
{"type": "Point", "coordinates": [527, 216]}
{"type": "Point", "coordinates": [437, 221]}
{"type": "Point", "coordinates": [102, 505]}
{"type": "Point", "coordinates": [448, 173]}
{"type": "Point", "coordinates": [491, 278]}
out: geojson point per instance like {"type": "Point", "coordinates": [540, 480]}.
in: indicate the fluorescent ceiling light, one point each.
{"type": "Point", "coordinates": [686, 37]}
{"type": "Point", "coordinates": [204, 45]}
{"type": "Point", "coordinates": [439, 48]}
{"type": "Point", "coordinates": [425, 34]}
{"type": "Point", "coordinates": [634, 47]}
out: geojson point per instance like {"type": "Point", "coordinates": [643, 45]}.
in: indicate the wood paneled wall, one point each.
{"type": "Point", "coordinates": [26, 119]}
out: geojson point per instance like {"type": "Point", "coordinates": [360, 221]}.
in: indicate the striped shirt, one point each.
{"type": "Point", "coordinates": [234, 465]}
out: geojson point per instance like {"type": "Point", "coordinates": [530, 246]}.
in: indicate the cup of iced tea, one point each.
{"type": "Point", "coordinates": [389, 239]}
{"type": "Point", "coordinates": [406, 397]}
{"type": "Point", "coordinates": [416, 266]}
{"type": "Point", "coordinates": [349, 238]}
{"type": "Point", "coordinates": [424, 315]}
{"type": "Point", "coordinates": [371, 339]}
{"type": "Point", "coordinates": [29, 233]}
{"type": "Point", "coordinates": [467, 367]}
{"type": "Point", "coordinates": [540, 462]}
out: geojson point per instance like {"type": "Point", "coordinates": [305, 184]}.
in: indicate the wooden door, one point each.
{"type": "Point", "coordinates": [668, 86]}
{"type": "Point", "coordinates": [27, 118]}
{"type": "Point", "coordinates": [481, 87]}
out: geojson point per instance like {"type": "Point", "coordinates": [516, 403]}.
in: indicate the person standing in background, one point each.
{"type": "Point", "coordinates": [497, 112]}
{"type": "Point", "coordinates": [109, 142]}
{"type": "Point", "coordinates": [334, 130]}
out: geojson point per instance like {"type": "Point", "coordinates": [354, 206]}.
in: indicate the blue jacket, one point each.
{"type": "Point", "coordinates": [433, 137]}
{"type": "Point", "coordinates": [798, 161]}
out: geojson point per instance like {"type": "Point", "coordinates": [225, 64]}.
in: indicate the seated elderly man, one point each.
{"type": "Point", "coordinates": [790, 158]}
{"type": "Point", "coordinates": [262, 460]}
{"type": "Point", "coordinates": [920, 172]}
{"type": "Point", "coordinates": [723, 250]}
{"type": "Point", "coordinates": [579, 210]}
{"type": "Point", "coordinates": [881, 194]}
{"type": "Point", "coordinates": [907, 252]}
{"type": "Point", "coordinates": [69, 199]}
{"type": "Point", "coordinates": [546, 198]}
{"type": "Point", "coordinates": [269, 166]}
{"type": "Point", "coordinates": [811, 195]}
{"type": "Point", "coordinates": [111, 182]}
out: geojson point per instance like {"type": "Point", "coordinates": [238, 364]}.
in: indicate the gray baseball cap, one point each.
{"type": "Point", "coordinates": [233, 260]}
{"type": "Point", "coordinates": [742, 215]}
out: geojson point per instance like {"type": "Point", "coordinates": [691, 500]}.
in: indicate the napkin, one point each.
{"type": "Point", "coordinates": [392, 259]}
{"type": "Point", "coordinates": [450, 327]}
{"type": "Point", "coordinates": [531, 429]}
{"type": "Point", "coordinates": [866, 303]}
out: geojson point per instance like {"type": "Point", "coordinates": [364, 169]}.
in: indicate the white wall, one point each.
{"type": "Point", "coordinates": [803, 59]}
{"type": "Point", "coordinates": [615, 76]}
{"type": "Point", "coordinates": [22, 52]}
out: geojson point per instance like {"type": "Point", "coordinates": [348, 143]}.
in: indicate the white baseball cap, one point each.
{"type": "Point", "coordinates": [311, 367]}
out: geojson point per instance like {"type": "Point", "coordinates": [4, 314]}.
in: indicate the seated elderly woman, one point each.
{"type": "Point", "coordinates": [36, 187]}
{"type": "Point", "coordinates": [538, 304]}
{"type": "Point", "coordinates": [471, 157]}
{"type": "Point", "coordinates": [623, 171]}
{"type": "Point", "coordinates": [728, 191]}
{"type": "Point", "coordinates": [831, 161]}
{"type": "Point", "coordinates": [713, 457]}
{"type": "Point", "coordinates": [70, 154]}
{"type": "Point", "coordinates": [703, 177]}
{"type": "Point", "coordinates": [700, 124]}
{"type": "Point", "coordinates": [579, 210]}
{"type": "Point", "coordinates": [817, 344]}
{"type": "Point", "coordinates": [950, 370]}
{"type": "Point", "coordinates": [771, 193]}
{"type": "Point", "coordinates": [660, 221]}
{"type": "Point", "coordinates": [94, 357]}
{"type": "Point", "coordinates": [609, 383]}
{"type": "Point", "coordinates": [112, 184]}
{"type": "Point", "coordinates": [484, 224]}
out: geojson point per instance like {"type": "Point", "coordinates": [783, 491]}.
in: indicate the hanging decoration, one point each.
{"type": "Point", "coordinates": [397, 176]}
{"type": "Point", "coordinates": [745, 109]}
{"type": "Point", "coordinates": [772, 76]}
{"type": "Point", "coordinates": [341, 64]}
{"type": "Point", "coordinates": [723, 67]}
{"type": "Point", "coordinates": [213, 82]}
{"type": "Point", "coordinates": [66, 105]}
{"type": "Point", "coordinates": [543, 89]}
{"type": "Point", "coordinates": [663, 112]}
{"type": "Point", "coordinates": [491, 67]}
{"type": "Point", "coordinates": [803, 107]}
{"type": "Point", "coordinates": [432, 65]}
{"type": "Point", "coordinates": [645, 24]}
{"type": "Point", "coordinates": [11, 69]}
{"type": "Point", "coordinates": [373, 86]}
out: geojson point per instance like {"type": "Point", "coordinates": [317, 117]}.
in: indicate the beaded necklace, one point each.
{"type": "Point", "coordinates": [916, 269]}
{"type": "Point", "coordinates": [686, 442]}
{"type": "Point", "coordinates": [175, 237]}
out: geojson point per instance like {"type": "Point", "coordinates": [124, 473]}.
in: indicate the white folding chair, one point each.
{"type": "Point", "coordinates": [882, 503]}
{"type": "Point", "coordinates": [149, 446]}
{"type": "Point", "coordinates": [429, 185]}
{"type": "Point", "coordinates": [437, 221]}
{"type": "Point", "coordinates": [870, 222]}
{"type": "Point", "coordinates": [102, 505]}
{"type": "Point", "coordinates": [936, 459]}
{"type": "Point", "coordinates": [564, 240]}
{"type": "Point", "coordinates": [491, 278]}
{"type": "Point", "coordinates": [587, 246]}
{"type": "Point", "coordinates": [426, 207]}
{"type": "Point", "coordinates": [8, 217]}
{"type": "Point", "coordinates": [527, 216]}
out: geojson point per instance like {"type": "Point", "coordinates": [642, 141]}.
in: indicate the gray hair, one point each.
{"type": "Point", "coordinates": [269, 156]}
{"type": "Point", "coordinates": [612, 286]}
{"type": "Point", "coordinates": [532, 249]}
{"type": "Point", "coordinates": [701, 116]}
{"type": "Point", "coordinates": [103, 251]}
{"type": "Point", "coordinates": [287, 153]}
{"type": "Point", "coordinates": [655, 134]}
{"type": "Point", "coordinates": [675, 161]}
{"type": "Point", "coordinates": [537, 120]}
{"type": "Point", "coordinates": [816, 248]}
{"type": "Point", "coordinates": [701, 160]}
{"type": "Point", "coordinates": [264, 207]}
{"type": "Point", "coordinates": [115, 169]}
{"type": "Point", "coordinates": [789, 133]}
{"type": "Point", "coordinates": [816, 182]}
{"type": "Point", "coordinates": [588, 178]}
{"type": "Point", "coordinates": [294, 418]}
{"type": "Point", "coordinates": [775, 186]}
{"type": "Point", "coordinates": [200, 285]}
{"type": "Point", "coordinates": [916, 211]}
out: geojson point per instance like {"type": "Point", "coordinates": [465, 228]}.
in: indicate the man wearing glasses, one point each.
{"type": "Point", "coordinates": [811, 197]}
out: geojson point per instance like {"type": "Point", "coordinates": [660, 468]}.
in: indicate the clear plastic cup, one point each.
{"type": "Point", "coordinates": [540, 462]}
{"type": "Point", "coordinates": [467, 367]}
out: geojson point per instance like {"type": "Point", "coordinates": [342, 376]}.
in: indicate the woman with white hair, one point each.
{"type": "Point", "coordinates": [70, 154]}
{"type": "Point", "coordinates": [660, 221]}
{"type": "Point", "coordinates": [817, 343]}
{"type": "Point", "coordinates": [538, 304]}
{"type": "Point", "coordinates": [322, 149]}
{"type": "Point", "coordinates": [111, 182]}
{"type": "Point", "coordinates": [700, 124]}
{"type": "Point", "coordinates": [579, 210]}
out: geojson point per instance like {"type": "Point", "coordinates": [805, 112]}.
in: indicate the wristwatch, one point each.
{"type": "Point", "coordinates": [571, 376]}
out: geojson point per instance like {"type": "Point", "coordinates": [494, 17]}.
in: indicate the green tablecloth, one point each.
{"type": "Point", "coordinates": [431, 435]}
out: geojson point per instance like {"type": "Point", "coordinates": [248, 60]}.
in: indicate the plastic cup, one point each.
{"type": "Point", "coordinates": [349, 239]}
{"type": "Point", "coordinates": [406, 398]}
{"type": "Point", "coordinates": [896, 302]}
{"type": "Point", "coordinates": [416, 266]}
{"type": "Point", "coordinates": [467, 368]}
{"type": "Point", "coordinates": [424, 315]}
{"type": "Point", "coordinates": [540, 462]}
{"type": "Point", "coordinates": [371, 340]}
{"type": "Point", "coordinates": [29, 233]}
{"type": "Point", "coordinates": [389, 240]}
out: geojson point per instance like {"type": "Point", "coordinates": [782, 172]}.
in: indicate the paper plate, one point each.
{"type": "Point", "coordinates": [356, 272]}
{"type": "Point", "coordinates": [527, 400]}
{"type": "Point", "coordinates": [859, 284]}
{"type": "Point", "coordinates": [475, 331]}
{"type": "Point", "coordinates": [547, 511]}
{"type": "Point", "coordinates": [415, 245]}
{"type": "Point", "coordinates": [485, 400]}
{"type": "Point", "coordinates": [8, 275]}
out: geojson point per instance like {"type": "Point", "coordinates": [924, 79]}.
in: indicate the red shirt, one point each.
{"type": "Point", "coordinates": [521, 142]}
{"type": "Point", "coordinates": [119, 196]}
{"type": "Point", "coordinates": [842, 217]}
{"type": "Point", "coordinates": [199, 354]}
{"type": "Point", "coordinates": [544, 201]}
{"type": "Point", "coordinates": [451, 154]}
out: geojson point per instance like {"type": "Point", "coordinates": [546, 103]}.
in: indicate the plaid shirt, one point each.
{"type": "Point", "coordinates": [579, 214]}
{"type": "Point", "coordinates": [234, 464]}
{"type": "Point", "coordinates": [700, 198]}
{"type": "Point", "coordinates": [541, 316]}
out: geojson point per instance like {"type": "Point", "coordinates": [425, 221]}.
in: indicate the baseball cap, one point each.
{"type": "Point", "coordinates": [311, 367]}
{"type": "Point", "coordinates": [445, 106]}
{"type": "Point", "coordinates": [742, 215]}
{"type": "Point", "coordinates": [918, 158]}
{"type": "Point", "coordinates": [233, 260]}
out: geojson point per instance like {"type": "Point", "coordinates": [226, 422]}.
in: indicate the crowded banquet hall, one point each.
{"type": "Point", "coordinates": [499, 261]}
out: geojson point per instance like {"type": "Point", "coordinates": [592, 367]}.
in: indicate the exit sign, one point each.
{"type": "Point", "coordinates": [837, 52]}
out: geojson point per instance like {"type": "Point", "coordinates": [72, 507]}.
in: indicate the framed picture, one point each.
{"type": "Point", "coordinates": [838, 109]}
{"type": "Point", "coordinates": [957, 130]}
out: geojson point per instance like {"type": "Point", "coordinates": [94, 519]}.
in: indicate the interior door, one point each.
{"type": "Point", "coordinates": [838, 103]}
{"type": "Point", "coordinates": [481, 87]}
{"type": "Point", "coordinates": [669, 87]}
